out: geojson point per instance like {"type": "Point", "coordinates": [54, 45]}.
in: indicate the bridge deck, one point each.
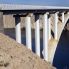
{"type": "Point", "coordinates": [30, 7]}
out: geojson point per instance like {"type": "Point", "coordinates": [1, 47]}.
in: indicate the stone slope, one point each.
{"type": "Point", "coordinates": [17, 56]}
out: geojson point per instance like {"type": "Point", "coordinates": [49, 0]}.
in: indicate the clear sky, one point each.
{"type": "Point", "coordinates": [38, 2]}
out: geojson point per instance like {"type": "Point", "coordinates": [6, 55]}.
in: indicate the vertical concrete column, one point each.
{"type": "Point", "coordinates": [56, 25]}
{"type": "Point", "coordinates": [18, 29]}
{"type": "Point", "coordinates": [49, 27]}
{"type": "Point", "coordinates": [63, 17]}
{"type": "Point", "coordinates": [66, 18]}
{"type": "Point", "coordinates": [28, 32]}
{"type": "Point", "coordinates": [45, 36]}
{"type": "Point", "coordinates": [37, 35]}
{"type": "Point", "coordinates": [1, 23]}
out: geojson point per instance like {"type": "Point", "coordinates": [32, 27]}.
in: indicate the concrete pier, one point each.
{"type": "Point", "coordinates": [62, 17]}
{"type": "Point", "coordinates": [18, 29]}
{"type": "Point", "coordinates": [28, 31]}
{"type": "Point", "coordinates": [49, 28]}
{"type": "Point", "coordinates": [45, 36]}
{"type": "Point", "coordinates": [56, 25]}
{"type": "Point", "coordinates": [37, 35]}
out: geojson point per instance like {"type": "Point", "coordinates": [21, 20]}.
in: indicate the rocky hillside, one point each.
{"type": "Point", "coordinates": [17, 56]}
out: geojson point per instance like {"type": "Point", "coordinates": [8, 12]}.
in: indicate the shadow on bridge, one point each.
{"type": "Point", "coordinates": [61, 58]}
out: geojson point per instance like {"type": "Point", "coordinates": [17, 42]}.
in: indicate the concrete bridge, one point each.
{"type": "Point", "coordinates": [54, 19]}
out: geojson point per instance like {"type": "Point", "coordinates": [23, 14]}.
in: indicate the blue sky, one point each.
{"type": "Point", "coordinates": [38, 2]}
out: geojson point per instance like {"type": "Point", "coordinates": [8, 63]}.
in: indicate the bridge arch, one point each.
{"type": "Point", "coordinates": [61, 55]}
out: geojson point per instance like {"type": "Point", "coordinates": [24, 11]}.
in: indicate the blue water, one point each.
{"type": "Point", "coordinates": [61, 58]}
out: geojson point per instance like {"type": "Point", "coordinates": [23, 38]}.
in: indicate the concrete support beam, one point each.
{"type": "Point", "coordinates": [66, 18]}
{"type": "Point", "coordinates": [45, 36]}
{"type": "Point", "coordinates": [56, 25]}
{"type": "Point", "coordinates": [37, 35]}
{"type": "Point", "coordinates": [49, 28]}
{"type": "Point", "coordinates": [63, 17]}
{"type": "Point", "coordinates": [28, 32]}
{"type": "Point", "coordinates": [1, 23]}
{"type": "Point", "coordinates": [18, 29]}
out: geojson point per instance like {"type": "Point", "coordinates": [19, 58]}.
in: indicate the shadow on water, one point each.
{"type": "Point", "coordinates": [61, 58]}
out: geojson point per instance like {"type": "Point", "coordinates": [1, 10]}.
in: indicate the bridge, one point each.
{"type": "Point", "coordinates": [54, 19]}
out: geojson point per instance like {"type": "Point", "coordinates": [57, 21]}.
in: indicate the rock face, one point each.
{"type": "Point", "coordinates": [17, 56]}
